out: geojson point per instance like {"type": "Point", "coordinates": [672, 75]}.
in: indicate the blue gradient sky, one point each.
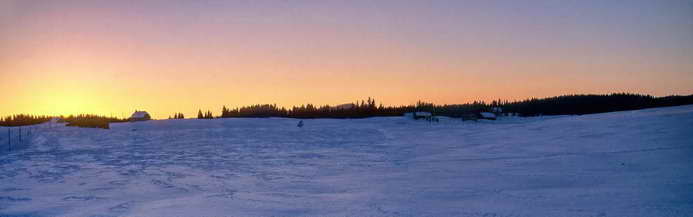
{"type": "Point", "coordinates": [111, 57]}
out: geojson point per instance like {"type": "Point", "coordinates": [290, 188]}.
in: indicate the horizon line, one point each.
{"type": "Point", "coordinates": [124, 115]}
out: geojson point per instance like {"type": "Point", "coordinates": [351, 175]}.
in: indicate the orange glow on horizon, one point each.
{"type": "Point", "coordinates": [110, 58]}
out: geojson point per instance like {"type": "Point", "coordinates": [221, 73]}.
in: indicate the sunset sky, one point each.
{"type": "Point", "coordinates": [166, 56]}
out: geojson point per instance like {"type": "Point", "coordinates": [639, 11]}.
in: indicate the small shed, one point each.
{"type": "Point", "coordinates": [470, 117]}
{"type": "Point", "coordinates": [345, 106]}
{"type": "Point", "coordinates": [488, 115]}
{"type": "Point", "coordinates": [55, 120]}
{"type": "Point", "coordinates": [140, 116]}
{"type": "Point", "coordinates": [422, 115]}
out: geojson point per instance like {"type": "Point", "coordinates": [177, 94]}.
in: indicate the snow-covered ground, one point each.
{"type": "Point", "coordinates": [633, 163]}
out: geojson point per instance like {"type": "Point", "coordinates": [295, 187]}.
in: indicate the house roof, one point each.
{"type": "Point", "coordinates": [139, 114]}
{"type": "Point", "coordinates": [488, 115]}
{"type": "Point", "coordinates": [422, 114]}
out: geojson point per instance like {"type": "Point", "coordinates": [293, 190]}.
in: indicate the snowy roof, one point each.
{"type": "Point", "coordinates": [488, 115]}
{"type": "Point", "coordinates": [139, 114]}
{"type": "Point", "coordinates": [422, 114]}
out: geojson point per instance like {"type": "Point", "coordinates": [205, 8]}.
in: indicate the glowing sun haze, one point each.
{"type": "Point", "coordinates": [112, 57]}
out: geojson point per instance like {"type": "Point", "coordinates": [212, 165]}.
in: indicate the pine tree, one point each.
{"type": "Point", "coordinates": [199, 114]}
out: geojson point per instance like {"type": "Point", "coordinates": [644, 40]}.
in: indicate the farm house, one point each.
{"type": "Point", "coordinates": [140, 116]}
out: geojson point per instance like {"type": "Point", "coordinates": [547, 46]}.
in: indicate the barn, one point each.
{"type": "Point", "coordinates": [140, 116]}
{"type": "Point", "coordinates": [487, 115]}
{"type": "Point", "coordinates": [421, 115]}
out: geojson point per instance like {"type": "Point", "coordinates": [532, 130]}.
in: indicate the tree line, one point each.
{"type": "Point", "coordinates": [578, 104]}
{"type": "Point", "coordinates": [592, 103]}
{"type": "Point", "coordinates": [360, 109]}
{"type": "Point", "coordinates": [177, 116]}
{"type": "Point", "coordinates": [23, 120]}
{"type": "Point", "coordinates": [206, 115]}
{"type": "Point", "coordinates": [559, 105]}
{"type": "Point", "coordinates": [91, 121]}
{"type": "Point", "coordinates": [83, 120]}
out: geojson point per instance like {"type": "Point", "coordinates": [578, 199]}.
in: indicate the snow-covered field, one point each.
{"type": "Point", "coordinates": [623, 164]}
